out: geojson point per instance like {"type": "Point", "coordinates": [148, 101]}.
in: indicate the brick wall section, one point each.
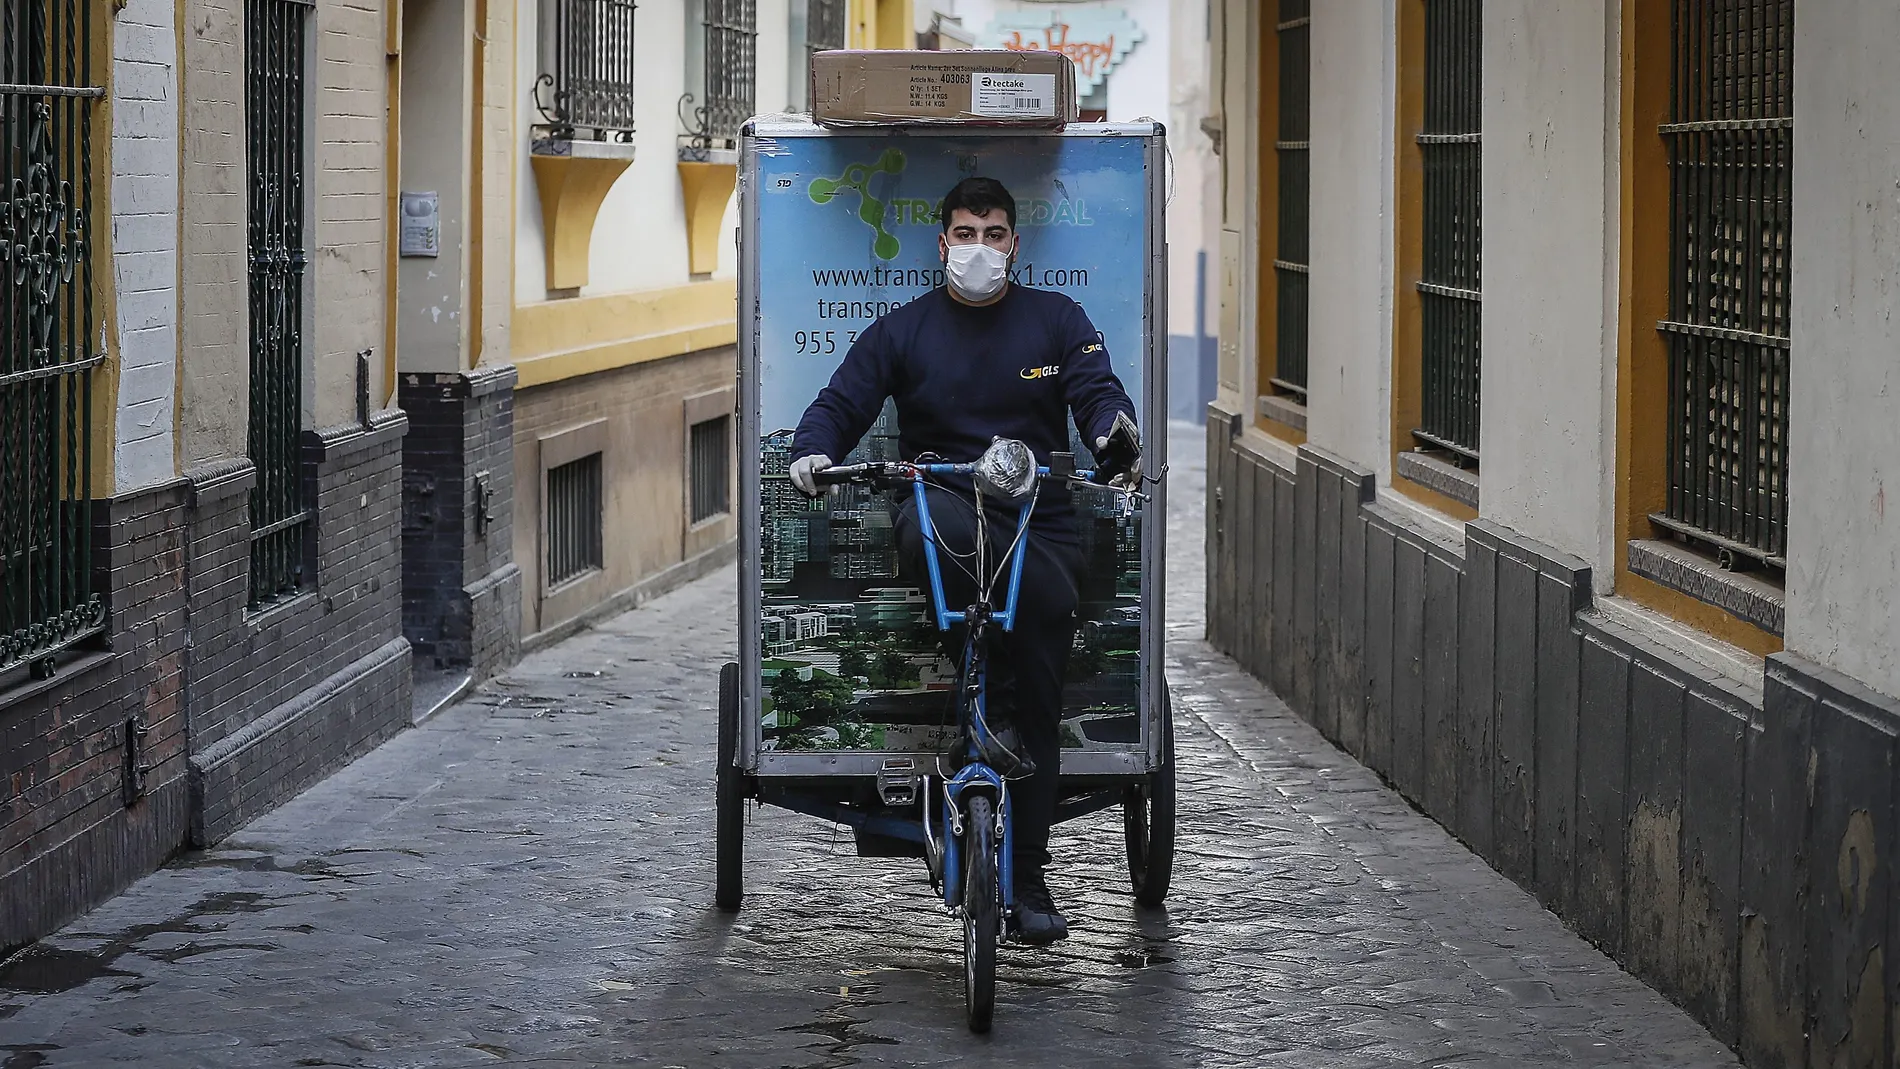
{"type": "Point", "coordinates": [461, 590]}
{"type": "Point", "coordinates": [145, 237]}
{"type": "Point", "coordinates": [70, 834]}
{"type": "Point", "coordinates": [1732, 849]}
{"type": "Point", "coordinates": [644, 472]}
{"type": "Point", "coordinates": [278, 698]}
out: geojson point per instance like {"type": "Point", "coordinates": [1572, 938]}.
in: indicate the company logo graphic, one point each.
{"type": "Point", "coordinates": [857, 179]}
{"type": "Point", "coordinates": [1034, 373]}
{"type": "Point", "coordinates": [1092, 347]}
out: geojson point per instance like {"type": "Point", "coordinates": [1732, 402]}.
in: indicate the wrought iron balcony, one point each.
{"type": "Point", "coordinates": [728, 65]}
{"type": "Point", "coordinates": [585, 91]}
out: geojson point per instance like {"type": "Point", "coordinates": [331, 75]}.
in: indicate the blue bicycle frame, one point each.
{"type": "Point", "coordinates": [976, 772]}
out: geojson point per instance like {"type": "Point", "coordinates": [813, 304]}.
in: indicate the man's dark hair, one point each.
{"type": "Point", "coordinates": [980, 196]}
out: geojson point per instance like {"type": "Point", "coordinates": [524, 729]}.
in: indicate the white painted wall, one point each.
{"type": "Point", "coordinates": [1844, 407]}
{"type": "Point", "coordinates": [1193, 203]}
{"type": "Point", "coordinates": [640, 235]}
{"type": "Point", "coordinates": [433, 304]}
{"type": "Point", "coordinates": [145, 238]}
{"type": "Point", "coordinates": [1549, 329]}
{"type": "Point", "coordinates": [1349, 370]}
{"type": "Point", "coordinates": [349, 184]}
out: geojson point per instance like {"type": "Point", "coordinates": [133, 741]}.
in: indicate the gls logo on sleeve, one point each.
{"type": "Point", "coordinates": [1033, 373]}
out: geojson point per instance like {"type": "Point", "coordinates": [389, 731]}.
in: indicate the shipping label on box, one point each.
{"type": "Point", "coordinates": [1013, 95]}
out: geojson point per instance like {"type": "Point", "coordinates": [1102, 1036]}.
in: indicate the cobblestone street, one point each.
{"type": "Point", "coordinates": [526, 879]}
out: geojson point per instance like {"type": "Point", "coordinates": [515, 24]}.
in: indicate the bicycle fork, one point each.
{"type": "Point", "coordinates": [983, 778]}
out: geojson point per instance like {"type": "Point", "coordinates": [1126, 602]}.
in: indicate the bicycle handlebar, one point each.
{"type": "Point", "coordinates": [904, 471]}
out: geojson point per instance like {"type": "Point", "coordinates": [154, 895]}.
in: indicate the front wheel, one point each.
{"type": "Point", "coordinates": [1148, 823]}
{"type": "Point", "coordinates": [729, 795]}
{"type": "Point", "coordinates": [982, 920]}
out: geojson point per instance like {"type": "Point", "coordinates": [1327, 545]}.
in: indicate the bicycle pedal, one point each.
{"type": "Point", "coordinates": [897, 782]}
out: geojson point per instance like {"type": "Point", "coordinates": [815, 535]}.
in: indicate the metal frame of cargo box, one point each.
{"type": "Point", "coordinates": [1093, 763]}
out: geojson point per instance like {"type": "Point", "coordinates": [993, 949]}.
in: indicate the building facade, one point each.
{"type": "Point", "coordinates": [1548, 462]}
{"type": "Point", "coordinates": [200, 559]}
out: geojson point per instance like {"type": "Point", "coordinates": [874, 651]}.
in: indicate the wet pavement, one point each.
{"type": "Point", "coordinates": [526, 880]}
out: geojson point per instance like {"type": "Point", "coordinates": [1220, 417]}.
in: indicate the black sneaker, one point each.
{"type": "Point", "coordinates": [1035, 920]}
{"type": "Point", "coordinates": [1007, 755]}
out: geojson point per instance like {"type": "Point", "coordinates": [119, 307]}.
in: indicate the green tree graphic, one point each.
{"type": "Point", "coordinates": [857, 178]}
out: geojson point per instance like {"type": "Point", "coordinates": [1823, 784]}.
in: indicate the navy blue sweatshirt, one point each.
{"type": "Point", "coordinates": [961, 376]}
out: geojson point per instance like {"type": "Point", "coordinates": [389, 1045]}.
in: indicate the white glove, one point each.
{"type": "Point", "coordinates": [802, 470]}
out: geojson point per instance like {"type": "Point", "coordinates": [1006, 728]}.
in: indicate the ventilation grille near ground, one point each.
{"type": "Point", "coordinates": [711, 462]}
{"type": "Point", "coordinates": [574, 519]}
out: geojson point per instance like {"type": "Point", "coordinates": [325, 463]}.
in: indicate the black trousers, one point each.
{"type": "Point", "coordinates": [1026, 665]}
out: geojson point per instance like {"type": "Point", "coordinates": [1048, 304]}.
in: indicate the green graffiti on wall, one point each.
{"type": "Point", "coordinates": [857, 178]}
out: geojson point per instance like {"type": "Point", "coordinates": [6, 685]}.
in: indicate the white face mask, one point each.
{"type": "Point", "coordinates": [977, 272]}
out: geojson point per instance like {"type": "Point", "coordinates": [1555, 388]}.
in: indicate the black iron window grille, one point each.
{"type": "Point", "coordinates": [47, 332]}
{"type": "Point", "coordinates": [1730, 138]}
{"type": "Point", "coordinates": [587, 63]}
{"type": "Point", "coordinates": [710, 460]}
{"type": "Point", "coordinates": [274, 120]}
{"type": "Point", "coordinates": [1449, 280]}
{"type": "Point", "coordinates": [728, 68]}
{"type": "Point", "coordinates": [1290, 263]}
{"type": "Point", "coordinates": [574, 518]}
{"type": "Point", "coordinates": [824, 26]}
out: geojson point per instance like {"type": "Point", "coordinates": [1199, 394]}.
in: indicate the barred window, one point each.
{"type": "Point", "coordinates": [585, 89]}
{"type": "Point", "coordinates": [48, 332]}
{"type": "Point", "coordinates": [1290, 262]}
{"type": "Point", "coordinates": [575, 515]}
{"type": "Point", "coordinates": [275, 47]}
{"type": "Point", "coordinates": [816, 26]}
{"type": "Point", "coordinates": [1450, 280]}
{"type": "Point", "coordinates": [722, 75]}
{"type": "Point", "coordinates": [824, 25]}
{"type": "Point", "coordinates": [710, 461]}
{"type": "Point", "coordinates": [1730, 138]}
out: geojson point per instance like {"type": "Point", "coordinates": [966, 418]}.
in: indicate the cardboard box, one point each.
{"type": "Point", "coordinates": [973, 87]}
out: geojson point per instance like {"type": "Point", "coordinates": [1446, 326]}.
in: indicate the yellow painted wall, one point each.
{"type": "Point", "coordinates": [556, 340]}
{"type": "Point", "coordinates": [881, 24]}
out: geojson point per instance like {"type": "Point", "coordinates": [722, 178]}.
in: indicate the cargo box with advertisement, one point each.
{"type": "Point", "coordinates": [841, 668]}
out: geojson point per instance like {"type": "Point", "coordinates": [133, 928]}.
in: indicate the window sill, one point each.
{"type": "Point", "coordinates": [581, 148]}
{"type": "Point", "coordinates": [257, 617]}
{"type": "Point", "coordinates": [1739, 670]}
{"type": "Point", "coordinates": [1746, 597]}
{"type": "Point", "coordinates": [1459, 484]}
{"type": "Point", "coordinates": [1282, 408]}
{"type": "Point", "coordinates": [17, 686]}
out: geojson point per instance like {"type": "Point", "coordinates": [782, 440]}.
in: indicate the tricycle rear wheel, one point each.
{"type": "Point", "coordinates": [729, 824]}
{"type": "Point", "coordinates": [1148, 822]}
